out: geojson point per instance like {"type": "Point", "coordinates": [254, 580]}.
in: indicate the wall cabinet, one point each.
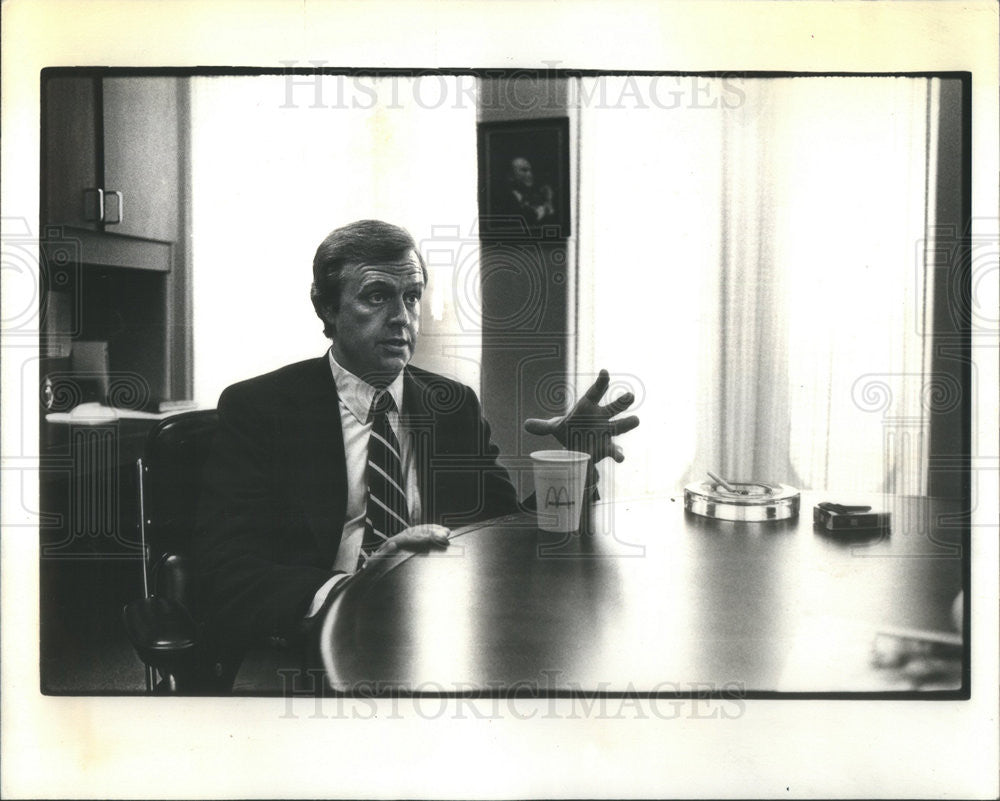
{"type": "Point", "coordinates": [141, 153]}
{"type": "Point", "coordinates": [70, 164]}
{"type": "Point", "coordinates": [114, 180]}
{"type": "Point", "coordinates": [112, 154]}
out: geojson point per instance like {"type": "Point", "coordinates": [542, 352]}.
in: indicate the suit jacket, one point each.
{"type": "Point", "coordinates": [275, 490]}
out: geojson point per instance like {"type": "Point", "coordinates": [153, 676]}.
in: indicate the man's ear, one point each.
{"type": "Point", "coordinates": [329, 315]}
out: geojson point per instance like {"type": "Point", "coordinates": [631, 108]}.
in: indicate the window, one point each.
{"type": "Point", "coordinates": [753, 254]}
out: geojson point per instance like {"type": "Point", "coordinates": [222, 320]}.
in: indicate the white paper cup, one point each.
{"type": "Point", "coordinates": [560, 477]}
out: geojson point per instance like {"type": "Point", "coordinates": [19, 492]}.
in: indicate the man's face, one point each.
{"type": "Point", "coordinates": [521, 170]}
{"type": "Point", "coordinates": [377, 324]}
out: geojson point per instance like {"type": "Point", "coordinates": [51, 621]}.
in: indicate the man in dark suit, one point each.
{"type": "Point", "coordinates": [291, 485]}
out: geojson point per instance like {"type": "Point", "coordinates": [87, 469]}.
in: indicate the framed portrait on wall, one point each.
{"type": "Point", "coordinates": [524, 179]}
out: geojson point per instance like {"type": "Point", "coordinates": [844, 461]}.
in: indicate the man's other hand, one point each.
{"type": "Point", "coordinates": [416, 538]}
{"type": "Point", "coordinates": [588, 427]}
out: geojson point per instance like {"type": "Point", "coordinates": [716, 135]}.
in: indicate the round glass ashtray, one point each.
{"type": "Point", "coordinates": [747, 500]}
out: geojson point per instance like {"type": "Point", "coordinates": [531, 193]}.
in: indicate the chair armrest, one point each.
{"type": "Point", "coordinates": [161, 631]}
{"type": "Point", "coordinates": [173, 577]}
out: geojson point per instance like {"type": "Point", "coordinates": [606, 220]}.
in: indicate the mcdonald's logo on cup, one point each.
{"type": "Point", "coordinates": [559, 480]}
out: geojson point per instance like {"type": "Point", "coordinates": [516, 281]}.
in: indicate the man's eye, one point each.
{"type": "Point", "coordinates": [413, 298]}
{"type": "Point", "coordinates": [376, 297]}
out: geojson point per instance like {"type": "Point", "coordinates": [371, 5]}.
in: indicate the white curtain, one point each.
{"type": "Point", "coordinates": [754, 257]}
{"type": "Point", "coordinates": [273, 171]}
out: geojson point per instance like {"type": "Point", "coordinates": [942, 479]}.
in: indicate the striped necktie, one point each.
{"type": "Point", "coordinates": [386, 510]}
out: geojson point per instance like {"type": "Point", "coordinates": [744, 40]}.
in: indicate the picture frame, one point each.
{"type": "Point", "coordinates": [524, 179]}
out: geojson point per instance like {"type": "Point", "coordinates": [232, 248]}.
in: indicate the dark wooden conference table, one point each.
{"type": "Point", "coordinates": [653, 599]}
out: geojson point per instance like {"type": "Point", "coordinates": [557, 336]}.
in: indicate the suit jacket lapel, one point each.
{"type": "Point", "coordinates": [323, 476]}
{"type": "Point", "coordinates": [417, 423]}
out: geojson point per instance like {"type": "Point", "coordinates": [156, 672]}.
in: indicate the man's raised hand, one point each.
{"type": "Point", "coordinates": [588, 427]}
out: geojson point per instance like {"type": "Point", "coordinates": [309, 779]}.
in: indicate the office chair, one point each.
{"type": "Point", "coordinates": [163, 625]}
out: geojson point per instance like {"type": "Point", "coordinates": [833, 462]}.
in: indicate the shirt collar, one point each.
{"type": "Point", "coordinates": [357, 394]}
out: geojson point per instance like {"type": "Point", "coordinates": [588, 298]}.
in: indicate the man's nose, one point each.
{"type": "Point", "coordinates": [397, 312]}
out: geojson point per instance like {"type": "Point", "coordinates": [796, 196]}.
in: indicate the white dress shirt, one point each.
{"type": "Point", "coordinates": [355, 400]}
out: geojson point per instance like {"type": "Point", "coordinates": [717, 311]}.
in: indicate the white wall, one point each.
{"type": "Point", "coordinates": [275, 167]}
